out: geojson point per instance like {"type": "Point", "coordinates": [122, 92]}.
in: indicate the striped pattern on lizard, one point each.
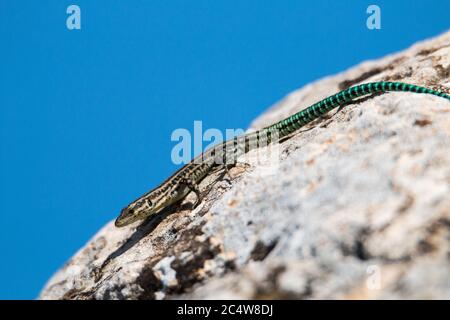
{"type": "Point", "coordinates": [225, 154]}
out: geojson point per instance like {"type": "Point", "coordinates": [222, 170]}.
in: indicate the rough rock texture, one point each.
{"type": "Point", "coordinates": [356, 207]}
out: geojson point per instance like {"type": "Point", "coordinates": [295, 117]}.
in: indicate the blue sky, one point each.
{"type": "Point", "coordinates": [86, 115]}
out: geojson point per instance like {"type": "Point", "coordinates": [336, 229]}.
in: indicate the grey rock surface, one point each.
{"type": "Point", "coordinates": [355, 207]}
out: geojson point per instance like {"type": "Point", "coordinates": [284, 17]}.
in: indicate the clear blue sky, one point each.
{"type": "Point", "coordinates": [86, 115]}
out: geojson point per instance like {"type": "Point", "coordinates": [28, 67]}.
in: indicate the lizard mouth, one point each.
{"type": "Point", "coordinates": [119, 223]}
{"type": "Point", "coordinates": [124, 218]}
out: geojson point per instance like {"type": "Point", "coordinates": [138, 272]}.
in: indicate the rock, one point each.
{"type": "Point", "coordinates": [358, 206]}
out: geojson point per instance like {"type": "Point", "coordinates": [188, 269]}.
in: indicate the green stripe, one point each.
{"type": "Point", "coordinates": [318, 109]}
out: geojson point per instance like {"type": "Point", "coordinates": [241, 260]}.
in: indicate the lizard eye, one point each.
{"type": "Point", "coordinates": [149, 202]}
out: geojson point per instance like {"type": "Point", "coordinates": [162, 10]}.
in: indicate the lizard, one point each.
{"type": "Point", "coordinates": [224, 155]}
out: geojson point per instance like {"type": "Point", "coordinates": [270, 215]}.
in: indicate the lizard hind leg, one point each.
{"type": "Point", "coordinates": [227, 174]}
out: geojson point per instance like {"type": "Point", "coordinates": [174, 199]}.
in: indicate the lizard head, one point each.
{"type": "Point", "coordinates": [143, 207]}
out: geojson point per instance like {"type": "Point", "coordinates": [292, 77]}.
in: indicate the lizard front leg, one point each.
{"type": "Point", "coordinates": [193, 186]}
